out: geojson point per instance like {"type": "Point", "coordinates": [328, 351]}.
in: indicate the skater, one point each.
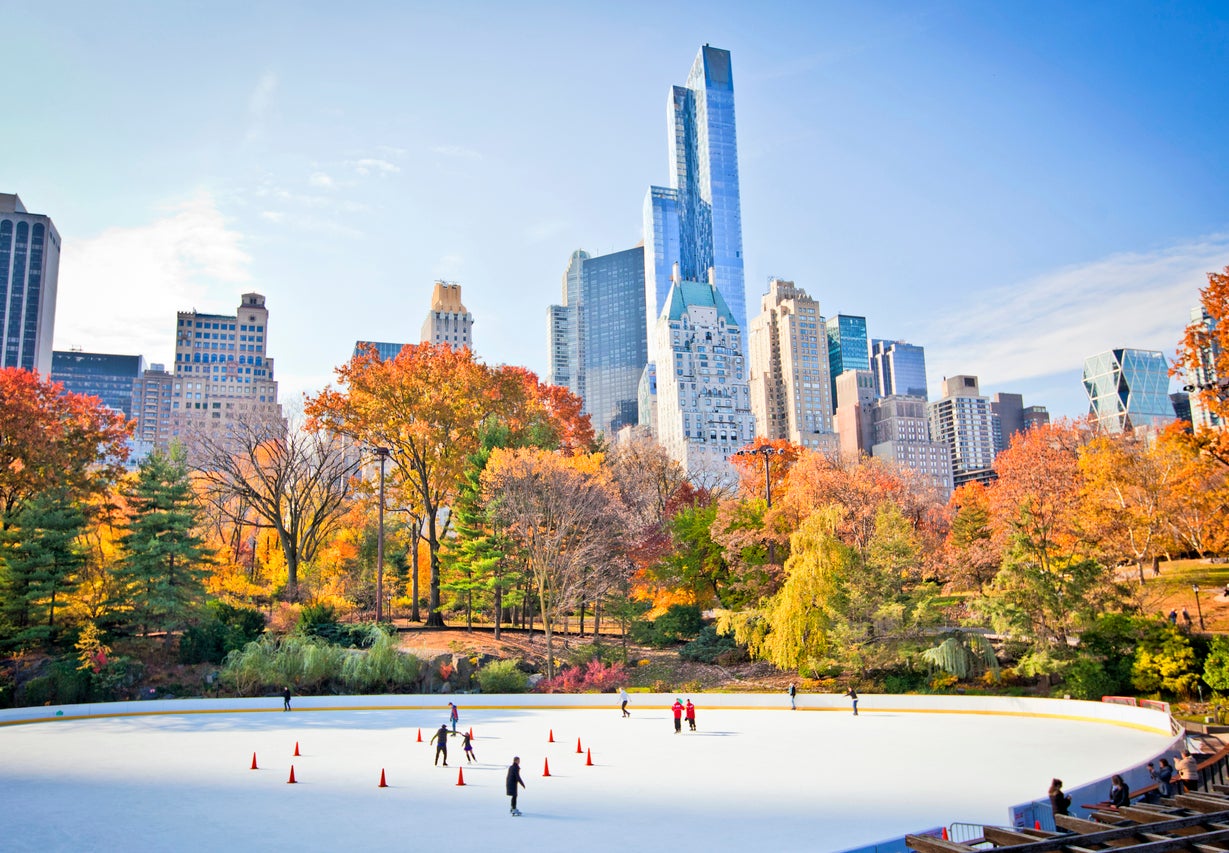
{"type": "Point", "coordinates": [677, 708]}
{"type": "Point", "coordinates": [440, 739]}
{"type": "Point", "coordinates": [466, 744]}
{"type": "Point", "coordinates": [853, 695]}
{"type": "Point", "coordinates": [1120, 794]}
{"type": "Point", "coordinates": [1059, 802]}
{"type": "Point", "coordinates": [691, 716]}
{"type": "Point", "coordinates": [285, 698]}
{"type": "Point", "coordinates": [514, 779]}
{"type": "Point", "coordinates": [623, 701]}
{"type": "Point", "coordinates": [453, 716]}
{"type": "Point", "coordinates": [793, 693]}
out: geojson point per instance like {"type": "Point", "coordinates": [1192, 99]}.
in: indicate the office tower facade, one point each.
{"type": "Point", "coordinates": [29, 275]}
{"type": "Point", "coordinates": [1128, 389]}
{"type": "Point", "coordinates": [152, 401]}
{"type": "Point", "coordinates": [110, 378]}
{"type": "Point", "coordinates": [696, 222]}
{"type": "Point", "coordinates": [646, 398]}
{"type": "Point", "coordinates": [222, 371]}
{"type": "Point", "coordinates": [961, 420]}
{"type": "Point", "coordinates": [900, 430]}
{"type": "Point", "coordinates": [899, 368]}
{"type": "Point", "coordinates": [599, 338]}
{"type": "Point", "coordinates": [385, 350]}
{"type": "Point", "coordinates": [1205, 376]}
{"type": "Point", "coordinates": [448, 322]}
{"type": "Point", "coordinates": [847, 347]}
{"type": "Point", "coordinates": [787, 355]}
{"type": "Point", "coordinates": [1006, 419]}
{"type": "Point", "coordinates": [703, 399]}
{"type": "Point", "coordinates": [855, 394]}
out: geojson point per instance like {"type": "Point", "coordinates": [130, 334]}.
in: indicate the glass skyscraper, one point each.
{"type": "Point", "coordinates": [1128, 388]}
{"type": "Point", "coordinates": [899, 368]}
{"type": "Point", "coordinates": [110, 378]}
{"type": "Point", "coordinates": [29, 272]}
{"type": "Point", "coordinates": [696, 222]}
{"type": "Point", "coordinates": [847, 347]}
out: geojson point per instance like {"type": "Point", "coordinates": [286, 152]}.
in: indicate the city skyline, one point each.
{"type": "Point", "coordinates": [1012, 191]}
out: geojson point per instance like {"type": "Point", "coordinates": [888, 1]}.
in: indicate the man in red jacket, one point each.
{"type": "Point", "coordinates": [677, 708]}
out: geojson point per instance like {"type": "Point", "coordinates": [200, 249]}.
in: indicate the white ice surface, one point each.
{"type": "Point", "coordinates": [758, 780]}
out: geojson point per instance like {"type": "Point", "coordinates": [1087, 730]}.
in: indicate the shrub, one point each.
{"type": "Point", "coordinates": [224, 629]}
{"type": "Point", "coordinates": [709, 647]}
{"type": "Point", "coordinates": [596, 677]}
{"type": "Point", "coordinates": [267, 664]}
{"type": "Point", "coordinates": [63, 684]}
{"type": "Point", "coordinates": [680, 622]}
{"type": "Point", "coordinates": [581, 655]}
{"type": "Point", "coordinates": [502, 676]}
{"type": "Point", "coordinates": [381, 668]}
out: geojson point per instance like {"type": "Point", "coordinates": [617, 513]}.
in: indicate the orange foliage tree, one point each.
{"type": "Point", "coordinates": [1203, 353]}
{"type": "Point", "coordinates": [430, 406]}
{"type": "Point", "coordinates": [53, 440]}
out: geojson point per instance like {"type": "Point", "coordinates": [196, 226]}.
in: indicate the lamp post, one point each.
{"type": "Point", "coordinates": [766, 451]}
{"type": "Point", "coordinates": [383, 453]}
{"type": "Point", "coordinates": [1198, 606]}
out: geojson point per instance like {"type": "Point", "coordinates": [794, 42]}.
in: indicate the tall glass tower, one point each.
{"type": "Point", "coordinates": [847, 347]}
{"type": "Point", "coordinates": [29, 273]}
{"type": "Point", "coordinates": [899, 368]}
{"type": "Point", "coordinates": [696, 222]}
{"type": "Point", "coordinates": [1128, 388]}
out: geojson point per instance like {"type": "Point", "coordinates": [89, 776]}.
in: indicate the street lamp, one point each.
{"type": "Point", "coordinates": [383, 453]}
{"type": "Point", "coordinates": [1198, 606]}
{"type": "Point", "coordinates": [765, 450]}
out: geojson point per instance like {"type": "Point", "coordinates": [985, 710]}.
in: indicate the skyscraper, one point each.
{"type": "Point", "coordinates": [901, 435]}
{"type": "Point", "coordinates": [221, 371]}
{"type": "Point", "coordinates": [29, 274]}
{"type": "Point", "coordinates": [1204, 376]}
{"type": "Point", "coordinates": [961, 420]}
{"type": "Point", "coordinates": [598, 337]}
{"type": "Point", "coordinates": [1128, 388]}
{"type": "Point", "coordinates": [787, 356]}
{"type": "Point", "coordinates": [847, 347]}
{"type": "Point", "coordinates": [899, 368]}
{"type": "Point", "coordinates": [108, 377]}
{"type": "Point", "coordinates": [704, 408]}
{"type": "Point", "coordinates": [448, 322]}
{"type": "Point", "coordinates": [696, 222]}
{"type": "Point", "coordinates": [152, 398]}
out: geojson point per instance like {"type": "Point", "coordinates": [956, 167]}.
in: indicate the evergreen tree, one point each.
{"type": "Point", "coordinates": [162, 572]}
{"type": "Point", "coordinates": [41, 553]}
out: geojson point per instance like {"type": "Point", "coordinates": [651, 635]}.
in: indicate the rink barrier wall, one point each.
{"type": "Point", "coordinates": [1142, 719]}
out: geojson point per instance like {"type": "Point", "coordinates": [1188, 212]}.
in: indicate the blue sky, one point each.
{"type": "Point", "coordinates": [1013, 186]}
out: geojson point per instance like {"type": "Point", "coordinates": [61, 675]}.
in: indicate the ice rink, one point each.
{"type": "Point", "coordinates": [751, 778]}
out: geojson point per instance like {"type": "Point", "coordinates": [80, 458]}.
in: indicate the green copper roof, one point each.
{"type": "Point", "coordinates": [684, 294]}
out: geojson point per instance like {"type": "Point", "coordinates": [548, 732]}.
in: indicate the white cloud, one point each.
{"type": "Point", "coordinates": [370, 165]}
{"type": "Point", "coordinates": [120, 291]}
{"type": "Point", "coordinates": [1051, 323]}
{"type": "Point", "coordinates": [320, 179]}
{"type": "Point", "coordinates": [272, 215]}
{"type": "Point", "coordinates": [260, 105]}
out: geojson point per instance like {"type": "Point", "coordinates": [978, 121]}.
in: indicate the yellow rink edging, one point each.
{"type": "Point", "coordinates": [570, 707]}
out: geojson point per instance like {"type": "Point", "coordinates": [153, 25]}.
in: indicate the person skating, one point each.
{"type": "Point", "coordinates": [853, 696]}
{"type": "Point", "coordinates": [468, 747]}
{"type": "Point", "coordinates": [453, 716]}
{"type": "Point", "coordinates": [286, 698]}
{"type": "Point", "coordinates": [1059, 802]}
{"type": "Point", "coordinates": [514, 779]}
{"type": "Point", "coordinates": [691, 716]}
{"type": "Point", "coordinates": [793, 693]}
{"type": "Point", "coordinates": [623, 701]}
{"type": "Point", "coordinates": [440, 739]}
{"type": "Point", "coordinates": [677, 708]}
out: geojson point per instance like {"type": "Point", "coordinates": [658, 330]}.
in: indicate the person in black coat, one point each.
{"type": "Point", "coordinates": [1120, 794]}
{"type": "Point", "coordinates": [514, 779]}
{"type": "Point", "coordinates": [285, 698]}
{"type": "Point", "coordinates": [1059, 802]}
{"type": "Point", "coordinates": [440, 739]}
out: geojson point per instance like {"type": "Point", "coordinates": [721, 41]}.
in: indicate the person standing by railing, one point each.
{"type": "Point", "coordinates": [1188, 771]}
{"type": "Point", "coordinates": [1059, 801]}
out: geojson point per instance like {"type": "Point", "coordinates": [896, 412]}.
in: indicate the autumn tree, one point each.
{"type": "Point", "coordinates": [161, 576]}
{"type": "Point", "coordinates": [50, 440]}
{"type": "Point", "coordinates": [561, 517]}
{"type": "Point", "coordinates": [1203, 355]}
{"type": "Point", "coordinates": [429, 406]}
{"type": "Point", "coordinates": [268, 474]}
{"type": "Point", "coordinates": [971, 556]}
{"type": "Point", "coordinates": [1199, 493]}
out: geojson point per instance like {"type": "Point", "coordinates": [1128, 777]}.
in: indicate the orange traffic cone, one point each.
{"type": "Point", "coordinates": [382, 784]}
{"type": "Point", "coordinates": [578, 749]}
{"type": "Point", "coordinates": [551, 739]}
{"type": "Point", "coordinates": [1036, 824]}
{"type": "Point", "coordinates": [945, 833]}
{"type": "Point", "coordinates": [546, 767]}
{"type": "Point", "coordinates": [291, 780]}
{"type": "Point", "coordinates": [588, 758]}
{"type": "Point", "coordinates": [420, 735]}
{"type": "Point", "coordinates": [254, 767]}
{"type": "Point", "coordinates": [460, 776]}
{"type": "Point", "coordinates": [296, 749]}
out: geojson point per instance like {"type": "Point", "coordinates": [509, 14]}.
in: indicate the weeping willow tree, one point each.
{"type": "Point", "coordinates": [963, 655]}
{"type": "Point", "coordinates": [802, 622]}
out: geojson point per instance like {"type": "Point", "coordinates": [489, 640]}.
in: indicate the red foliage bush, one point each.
{"type": "Point", "coordinates": [595, 677]}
